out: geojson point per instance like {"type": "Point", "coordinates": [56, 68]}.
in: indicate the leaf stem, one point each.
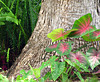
{"type": "Point", "coordinates": [6, 6]}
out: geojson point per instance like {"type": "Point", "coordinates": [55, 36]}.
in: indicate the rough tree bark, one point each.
{"type": "Point", "coordinates": [53, 14]}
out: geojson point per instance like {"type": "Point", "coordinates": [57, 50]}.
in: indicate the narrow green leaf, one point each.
{"type": "Point", "coordinates": [79, 76]}
{"type": "Point", "coordinates": [8, 54]}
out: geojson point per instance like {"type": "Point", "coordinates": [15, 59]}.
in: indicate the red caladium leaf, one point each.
{"type": "Point", "coordinates": [59, 34]}
{"type": "Point", "coordinates": [77, 56]}
{"type": "Point", "coordinates": [51, 48]}
{"type": "Point", "coordinates": [64, 48]}
{"type": "Point", "coordinates": [93, 57]}
{"type": "Point", "coordinates": [83, 26]}
{"type": "Point", "coordinates": [95, 35]}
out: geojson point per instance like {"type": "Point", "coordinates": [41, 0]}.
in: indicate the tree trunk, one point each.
{"type": "Point", "coordinates": [53, 14]}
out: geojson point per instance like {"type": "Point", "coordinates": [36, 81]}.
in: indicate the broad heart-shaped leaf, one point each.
{"type": "Point", "coordinates": [83, 26]}
{"type": "Point", "coordinates": [93, 57]}
{"type": "Point", "coordinates": [51, 48]}
{"type": "Point", "coordinates": [59, 34]}
{"type": "Point", "coordinates": [56, 69]}
{"type": "Point", "coordinates": [64, 48]}
{"type": "Point", "coordinates": [49, 62]}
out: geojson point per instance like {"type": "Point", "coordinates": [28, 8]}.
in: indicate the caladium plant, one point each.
{"type": "Point", "coordinates": [62, 48]}
{"type": "Point", "coordinates": [78, 56]}
{"type": "Point", "coordinates": [83, 26]}
{"type": "Point", "coordinates": [93, 57]}
{"type": "Point", "coordinates": [59, 34]}
{"type": "Point", "coordinates": [77, 59]}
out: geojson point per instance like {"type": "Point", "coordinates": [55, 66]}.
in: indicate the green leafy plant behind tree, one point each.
{"type": "Point", "coordinates": [17, 22]}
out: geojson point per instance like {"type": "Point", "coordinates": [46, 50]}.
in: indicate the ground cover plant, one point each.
{"type": "Point", "coordinates": [66, 65]}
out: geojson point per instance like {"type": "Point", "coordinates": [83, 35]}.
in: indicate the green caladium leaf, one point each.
{"type": "Point", "coordinates": [83, 26]}
{"type": "Point", "coordinates": [49, 62]}
{"type": "Point", "coordinates": [59, 34]}
{"type": "Point", "coordinates": [56, 69]}
{"type": "Point", "coordinates": [64, 48]}
{"type": "Point", "coordinates": [93, 57]}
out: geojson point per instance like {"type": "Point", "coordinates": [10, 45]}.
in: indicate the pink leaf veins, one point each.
{"type": "Point", "coordinates": [84, 27]}
{"type": "Point", "coordinates": [53, 46]}
{"type": "Point", "coordinates": [64, 47]}
{"type": "Point", "coordinates": [77, 56]}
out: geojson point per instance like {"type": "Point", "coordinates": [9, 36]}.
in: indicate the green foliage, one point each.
{"type": "Point", "coordinates": [79, 76]}
{"type": "Point", "coordinates": [59, 34]}
{"type": "Point", "coordinates": [77, 59]}
{"type": "Point", "coordinates": [8, 54]}
{"type": "Point", "coordinates": [83, 26]}
{"type": "Point", "coordinates": [17, 22]}
{"type": "Point", "coordinates": [56, 69]}
{"type": "Point", "coordinates": [3, 78]}
{"type": "Point", "coordinates": [64, 48]}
